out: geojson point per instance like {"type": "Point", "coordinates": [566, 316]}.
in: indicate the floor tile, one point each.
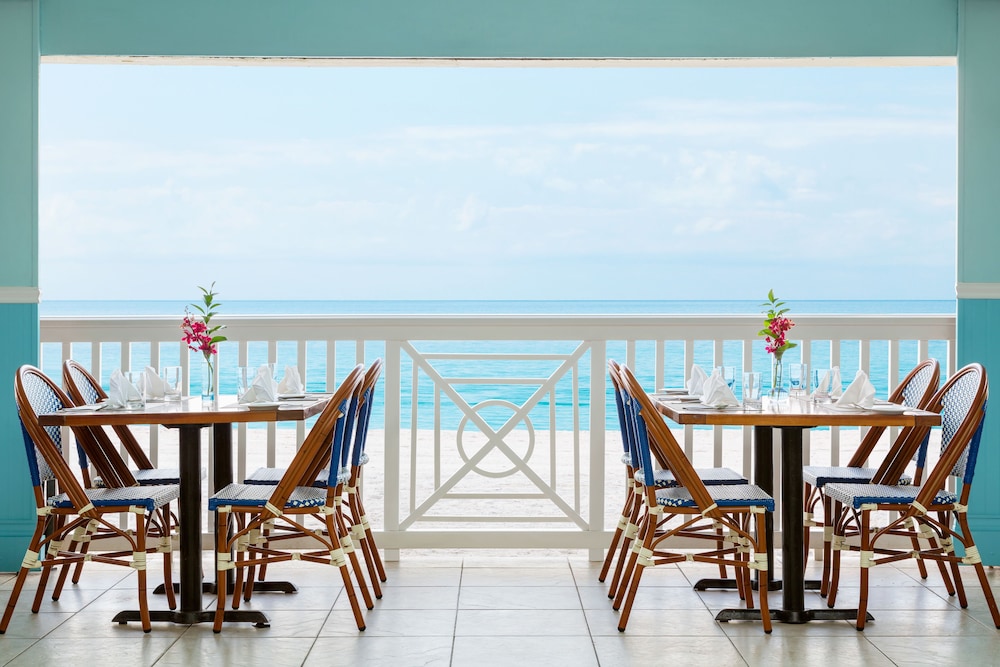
{"type": "Point", "coordinates": [200, 646]}
{"type": "Point", "coordinates": [529, 576]}
{"type": "Point", "coordinates": [502, 652]}
{"type": "Point", "coordinates": [392, 623]}
{"type": "Point", "coordinates": [814, 651]}
{"type": "Point", "coordinates": [379, 651]}
{"type": "Point", "coordinates": [138, 649]}
{"type": "Point", "coordinates": [520, 623]}
{"type": "Point", "coordinates": [626, 649]}
{"type": "Point", "coordinates": [519, 597]}
{"type": "Point", "coordinates": [412, 597]}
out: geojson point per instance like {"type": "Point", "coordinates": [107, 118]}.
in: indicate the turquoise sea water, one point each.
{"type": "Point", "coordinates": [316, 352]}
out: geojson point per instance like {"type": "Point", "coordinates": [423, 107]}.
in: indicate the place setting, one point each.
{"type": "Point", "coordinates": [257, 388]}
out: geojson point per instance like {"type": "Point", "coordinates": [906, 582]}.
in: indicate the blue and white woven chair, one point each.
{"type": "Point", "coordinates": [295, 506]}
{"type": "Point", "coordinates": [681, 511]}
{"type": "Point", "coordinates": [349, 479]}
{"type": "Point", "coordinates": [352, 469]}
{"type": "Point", "coordinates": [75, 513]}
{"type": "Point", "coordinates": [621, 540]}
{"type": "Point", "coordinates": [915, 391]}
{"type": "Point", "coordinates": [938, 515]}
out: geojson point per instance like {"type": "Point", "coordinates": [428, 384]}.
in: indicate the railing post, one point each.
{"type": "Point", "coordinates": [391, 452]}
{"type": "Point", "coordinates": [598, 361]}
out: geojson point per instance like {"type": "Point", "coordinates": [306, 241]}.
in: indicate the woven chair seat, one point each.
{"type": "Point", "coordinates": [856, 495]}
{"type": "Point", "coordinates": [724, 495]}
{"type": "Point", "coordinates": [271, 476]}
{"type": "Point", "coordinates": [257, 495]}
{"type": "Point", "coordinates": [820, 476]}
{"type": "Point", "coordinates": [664, 479]}
{"type": "Point", "coordinates": [149, 497]}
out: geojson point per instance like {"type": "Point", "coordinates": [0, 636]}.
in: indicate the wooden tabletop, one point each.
{"type": "Point", "coordinates": [190, 411]}
{"type": "Point", "coordinates": [791, 412]}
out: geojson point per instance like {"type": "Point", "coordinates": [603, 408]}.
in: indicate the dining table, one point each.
{"type": "Point", "coordinates": [789, 417]}
{"type": "Point", "coordinates": [189, 417]}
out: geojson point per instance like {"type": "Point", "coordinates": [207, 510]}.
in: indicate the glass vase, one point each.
{"type": "Point", "coordinates": [777, 391]}
{"type": "Point", "coordinates": [208, 384]}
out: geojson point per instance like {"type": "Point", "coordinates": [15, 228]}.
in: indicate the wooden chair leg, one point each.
{"type": "Point", "coordinates": [866, 549]}
{"type": "Point", "coordinates": [221, 552]}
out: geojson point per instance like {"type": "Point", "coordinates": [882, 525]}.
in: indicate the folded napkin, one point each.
{"type": "Point", "coordinates": [836, 390]}
{"type": "Point", "coordinates": [696, 383]}
{"type": "Point", "coordinates": [155, 387]}
{"type": "Point", "coordinates": [291, 383]}
{"type": "Point", "coordinates": [121, 391]}
{"type": "Point", "coordinates": [860, 392]}
{"type": "Point", "coordinates": [716, 393]}
{"type": "Point", "coordinates": [263, 390]}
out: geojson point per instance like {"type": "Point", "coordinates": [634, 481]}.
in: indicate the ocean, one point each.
{"type": "Point", "coordinates": [475, 393]}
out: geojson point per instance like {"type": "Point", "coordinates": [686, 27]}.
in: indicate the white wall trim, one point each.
{"type": "Point", "coordinates": [978, 290]}
{"type": "Point", "coordinates": [20, 295]}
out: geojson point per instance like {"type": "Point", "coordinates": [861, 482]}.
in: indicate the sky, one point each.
{"type": "Point", "coordinates": [497, 182]}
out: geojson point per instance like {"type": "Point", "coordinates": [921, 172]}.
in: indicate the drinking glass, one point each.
{"type": "Point", "coordinates": [798, 379]}
{"type": "Point", "coordinates": [729, 375]}
{"type": "Point", "coordinates": [244, 379]}
{"type": "Point", "coordinates": [171, 376]}
{"type": "Point", "coordinates": [752, 391]}
{"type": "Point", "coordinates": [821, 391]}
{"type": "Point", "coordinates": [135, 396]}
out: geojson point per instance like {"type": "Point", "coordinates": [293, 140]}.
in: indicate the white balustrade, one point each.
{"type": "Point", "coordinates": [502, 446]}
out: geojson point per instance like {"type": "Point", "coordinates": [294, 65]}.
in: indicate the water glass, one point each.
{"type": "Point", "coordinates": [729, 375]}
{"type": "Point", "coordinates": [135, 396]}
{"type": "Point", "coordinates": [752, 391]}
{"type": "Point", "coordinates": [821, 391]}
{"type": "Point", "coordinates": [798, 379]}
{"type": "Point", "coordinates": [172, 388]}
{"type": "Point", "coordinates": [244, 379]}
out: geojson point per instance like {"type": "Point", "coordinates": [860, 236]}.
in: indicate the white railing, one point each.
{"type": "Point", "coordinates": [484, 435]}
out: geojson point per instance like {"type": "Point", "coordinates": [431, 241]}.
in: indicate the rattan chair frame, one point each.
{"type": "Point", "coordinates": [938, 523]}
{"type": "Point", "coordinates": [58, 530]}
{"type": "Point", "coordinates": [746, 541]}
{"type": "Point", "coordinates": [238, 525]}
{"type": "Point", "coordinates": [813, 495]}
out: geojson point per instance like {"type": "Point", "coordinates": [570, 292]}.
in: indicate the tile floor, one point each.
{"type": "Point", "coordinates": [489, 608]}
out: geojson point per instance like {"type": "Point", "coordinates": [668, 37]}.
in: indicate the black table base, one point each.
{"type": "Point", "coordinates": [258, 587]}
{"type": "Point", "coordinates": [730, 585]}
{"type": "Point", "coordinates": [791, 616]}
{"type": "Point", "coordinates": [791, 584]}
{"type": "Point", "coordinates": [191, 617]}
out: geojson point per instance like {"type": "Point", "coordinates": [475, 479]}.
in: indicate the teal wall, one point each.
{"type": "Point", "coordinates": [18, 259]}
{"type": "Point", "coordinates": [502, 28]}
{"type": "Point", "coordinates": [979, 242]}
{"type": "Point", "coordinates": [515, 29]}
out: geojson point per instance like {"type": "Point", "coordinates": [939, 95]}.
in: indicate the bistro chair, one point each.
{"type": "Point", "coordinates": [622, 539]}
{"type": "Point", "coordinates": [682, 511]}
{"type": "Point", "coordinates": [349, 480]}
{"type": "Point", "coordinates": [939, 516]}
{"type": "Point", "coordinates": [244, 510]}
{"type": "Point", "coordinates": [351, 493]}
{"type": "Point", "coordinates": [84, 389]}
{"type": "Point", "coordinates": [71, 514]}
{"type": "Point", "coordinates": [915, 391]}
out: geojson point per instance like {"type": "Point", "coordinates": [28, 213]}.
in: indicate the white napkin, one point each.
{"type": "Point", "coordinates": [696, 383]}
{"type": "Point", "coordinates": [291, 383]}
{"type": "Point", "coordinates": [155, 386]}
{"type": "Point", "coordinates": [263, 390]}
{"type": "Point", "coordinates": [716, 393]}
{"type": "Point", "coordinates": [859, 392]}
{"type": "Point", "coordinates": [120, 390]}
{"type": "Point", "coordinates": [836, 390]}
